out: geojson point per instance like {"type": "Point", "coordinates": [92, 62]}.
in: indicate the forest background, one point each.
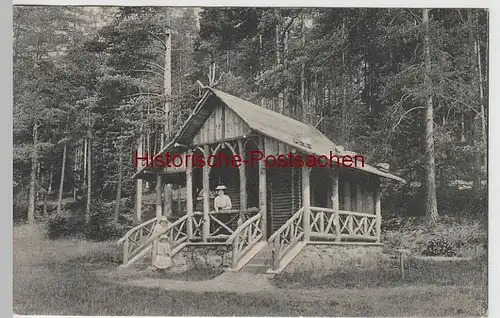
{"type": "Point", "coordinates": [408, 87]}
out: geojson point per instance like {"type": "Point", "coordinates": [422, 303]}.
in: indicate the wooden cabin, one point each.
{"type": "Point", "coordinates": [274, 208]}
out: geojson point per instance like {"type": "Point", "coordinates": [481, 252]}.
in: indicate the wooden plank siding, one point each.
{"type": "Point", "coordinates": [222, 124]}
{"type": "Point", "coordinates": [368, 198]}
{"type": "Point", "coordinates": [352, 180]}
{"type": "Point", "coordinates": [279, 180]}
{"type": "Point", "coordinates": [369, 195]}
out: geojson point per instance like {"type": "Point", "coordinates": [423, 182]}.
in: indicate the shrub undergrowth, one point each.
{"type": "Point", "coordinates": [449, 236]}
{"type": "Point", "coordinates": [101, 226]}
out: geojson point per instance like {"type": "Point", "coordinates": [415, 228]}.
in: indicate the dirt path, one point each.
{"type": "Point", "coordinates": [240, 282]}
{"type": "Point", "coordinates": [249, 283]}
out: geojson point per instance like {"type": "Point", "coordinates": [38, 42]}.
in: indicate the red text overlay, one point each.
{"type": "Point", "coordinates": [222, 159]}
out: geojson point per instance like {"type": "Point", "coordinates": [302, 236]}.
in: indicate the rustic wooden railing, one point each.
{"type": "Point", "coordinates": [223, 224]}
{"type": "Point", "coordinates": [197, 222]}
{"type": "Point", "coordinates": [134, 249]}
{"type": "Point", "coordinates": [245, 237]}
{"type": "Point", "coordinates": [286, 237]}
{"type": "Point", "coordinates": [138, 241]}
{"type": "Point", "coordinates": [342, 225]}
{"type": "Point", "coordinates": [135, 238]}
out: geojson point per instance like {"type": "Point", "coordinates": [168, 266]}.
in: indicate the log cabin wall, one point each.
{"type": "Point", "coordinates": [368, 194]}
{"type": "Point", "coordinates": [354, 193]}
{"type": "Point", "coordinates": [348, 199]}
{"type": "Point", "coordinates": [347, 190]}
{"type": "Point", "coordinates": [279, 181]}
{"type": "Point", "coordinates": [353, 179]}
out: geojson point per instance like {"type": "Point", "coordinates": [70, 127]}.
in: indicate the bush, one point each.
{"type": "Point", "coordinates": [65, 224]}
{"type": "Point", "coordinates": [466, 237]}
{"type": "Point", "coordinates": [464, 202]}
{"type": "Point", "coordinates": [439, 247]}
{"type": "Point", "coordinates": [100, 227]}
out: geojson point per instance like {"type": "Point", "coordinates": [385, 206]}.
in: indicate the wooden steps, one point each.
{"type": "Point", "coordinates": [249, 256]}
{"type": "Point", "coordinates": [261, 261]}
{"type": "Point", "coordinates": [288, 257]}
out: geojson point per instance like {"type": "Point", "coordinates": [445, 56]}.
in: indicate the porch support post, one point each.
{"type": "Point", "coordinates": [359, 197]}
{"type": "Point", "coordinates": [206, 196]}
{"type": "Point", "coordinates": [159, 211]}
{"type": "Point", "coordinates": [335, 202]}
{"type": "Point", "coordinates": [189, 196]}
{"type": "Point", "coordinates": [347, 195]}
{"type": "Point", "coordinates": [243, 181]}
{"type": "Point", "coordinates": [306, 203]}
{"type": "Point", "coordinates": [378, 211]}
{"type": "Point", "coordinates": [263, 190]}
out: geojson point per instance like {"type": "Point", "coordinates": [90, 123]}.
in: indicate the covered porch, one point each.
{"type": "Point", "coordinates": [284, 208]}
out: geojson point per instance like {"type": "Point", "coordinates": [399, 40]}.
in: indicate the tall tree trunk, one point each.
{"type": "Point", "coordinates": [478, 127]}
{"type": "Point", "coordinates": [281, 97]}
{"type": "Point", "coordinates": [76, 164]}
{"type": "Point", "coordinates": [148, 146]}
{"type": "Point", "coordinates": [44, 194]}
{"type": "Point", "coordinates": [45, 199]}
{"type": "Point", "coordinates": [167, 83]}
{"type": "Point", "coordinates": [138, 187]}
{"type": "Point", "coordinates": [286, 91]}
{"type": "Point", "coordinates": [34, 165]}
{"type": "Point", "coordinates": [302, 76]}
{"type": "Point", "coordinates": [38, 174]}
{"type": "Point", "coordinates": [75, 171]}
{"type": "Point", "coordinates": [51, 177]}
{"type": "Point", "coordinates": [462, 128]}
{"type": "Point", "coordinates": [343, 124]}
{"type": "Point", "coordinates": [61, 184]}
{"type": "Point", "coordinates": [118, 188]}
{"type": "Point", "coordinates": [481, 101]}
{"type": "Point", "coordinates": [89, 176]}
{"type": "Point", "coordinates": [85, 147]}
{"type": "Point", "coordinates": [430, 165]}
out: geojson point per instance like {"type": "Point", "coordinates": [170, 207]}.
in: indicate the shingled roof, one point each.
{"type": "Point", "coordinates": [268, 123]}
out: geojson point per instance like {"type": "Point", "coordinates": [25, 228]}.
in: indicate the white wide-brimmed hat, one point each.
{"type": "Point", "coordinates": [221, 187]}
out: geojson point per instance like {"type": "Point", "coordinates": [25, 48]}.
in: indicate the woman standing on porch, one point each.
{"type": "Point", "coordinates": [222, 202]}
{"type": "Point", "coordinates": [162, 247]}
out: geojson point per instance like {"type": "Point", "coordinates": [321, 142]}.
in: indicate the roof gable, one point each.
{"type": "Point", "coordinates": [223, 123]}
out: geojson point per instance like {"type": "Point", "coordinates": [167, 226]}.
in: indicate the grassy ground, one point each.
{"type": "Point", "coordinates": [418, 272]}
{"type": "Point", "coordinates": [60, 278]}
